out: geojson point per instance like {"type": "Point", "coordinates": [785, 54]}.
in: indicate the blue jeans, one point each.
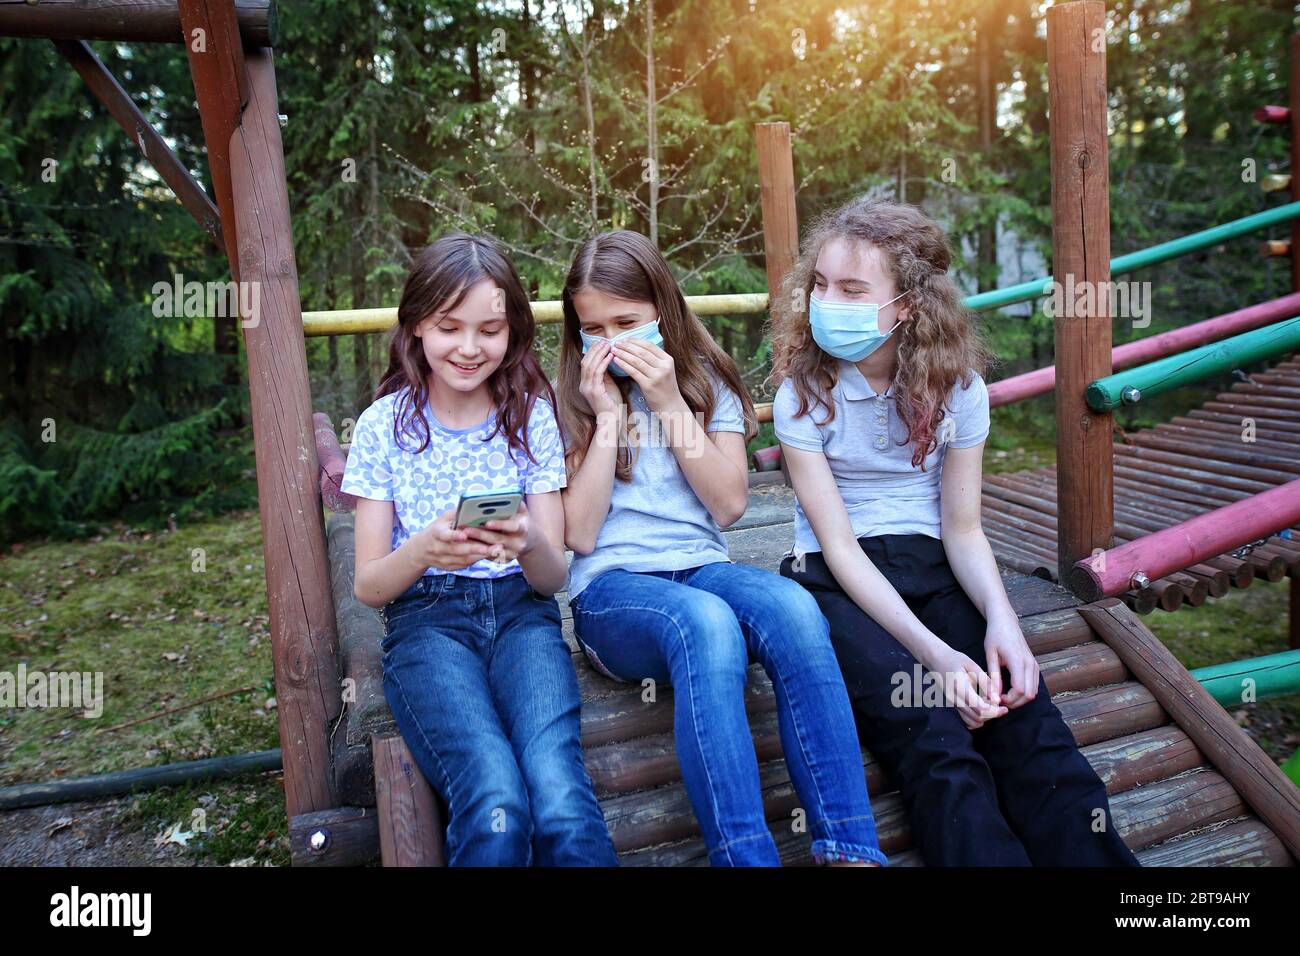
{"type": "Point", "coordinates": [698, 629]}
{"type": "Point", "coordinates": [482, 687]}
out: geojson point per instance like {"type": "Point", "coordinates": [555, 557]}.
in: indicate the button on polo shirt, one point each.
{"type": "Point", "coordinates": [865, 446]}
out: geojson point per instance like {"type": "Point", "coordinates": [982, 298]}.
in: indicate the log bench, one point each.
{"type": "Point", "coordinates": [1187, 786]}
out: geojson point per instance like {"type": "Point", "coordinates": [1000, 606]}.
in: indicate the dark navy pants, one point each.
{"type": "Point", "coordinates": [1016, 791]}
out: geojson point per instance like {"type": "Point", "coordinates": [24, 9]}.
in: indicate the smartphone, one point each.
{"type": "Point", "coordinates": [478, 507]}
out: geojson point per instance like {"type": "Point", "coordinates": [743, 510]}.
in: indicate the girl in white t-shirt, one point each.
{"type": "Point", "coordinates": [882, 416]}
{"type": "Point", "coordinates": [476, 671]}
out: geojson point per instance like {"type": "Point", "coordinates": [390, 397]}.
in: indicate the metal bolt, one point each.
{"type": "Point", "coordinates": [1130, 395]}
{"type": "Point", "coordinates": [1140, 580]}
{"type": "Point", "coordinates": [318, 841]}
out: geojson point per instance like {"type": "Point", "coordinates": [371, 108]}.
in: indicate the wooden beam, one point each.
{"type": "Point", "coordinates": [303, 632]}
{"type": "Point", "coordinates": [123, 109]}
{"type": "Point", "coordinates": [1260, 782]}
{"type": "Point", "coordinates": [139, 21]}
{"type": "Point", "coordinates": [344, 836]}
{"type": "Point", "coordinates": [410, 826]}
{"type": "Point", "coordinates": [221, 88]}
{"type": "Point", "coordinates": [780, 218]}
{"type": "Point", "coordinates": [1076, 66]}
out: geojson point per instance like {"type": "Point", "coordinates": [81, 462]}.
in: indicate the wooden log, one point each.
{"type": "Point", "coordinates": [1076, 71]}
{"type": "Point", "coordinates": [344, 836]}
{"type": "Point", "coordinates": [1244, 410]}
{"type": "Point", "coordinates": [1159, 811]}
{"type": "Point", "coordinates": [777, 193]}
{"type": "Point", "coordinates": [139, 21]}
{"type": "Point", "coordinates": [1143, 758]}
{"type": "Point", "coordinates": [794, 848]}
{"type": "Point", "coordinates": [409, 821]}
{"type": "Point", "coordinates": [1245, 843]}
{"type": "Point", "coordinates": [303, 636]}
{"type": "Point", "coordinates": [332, 465]}
{"type": "Point", "coordinates": [1270, 432]}
{"type": "Point", "coordinates": [122, 108]}
{"type": "Point", "coordinates": [1055, 630]}
{"type": "Point", "coordinates": [1081, 668]}
{"type": "Point", "coordinates": [1145, 453]}
{"type": "Point", "coordinates": [1260, 782]}
{"type": "Point", "coordinates": [1108, 712]}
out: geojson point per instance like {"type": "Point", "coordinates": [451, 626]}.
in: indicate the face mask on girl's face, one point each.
{"type": "Point", "coordinates": [848, 330]}
{"type": "Point", "coordinates": [648, 332]}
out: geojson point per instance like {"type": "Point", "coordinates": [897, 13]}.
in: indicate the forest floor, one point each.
{"type": "Point", "coordinates": [174, 617]}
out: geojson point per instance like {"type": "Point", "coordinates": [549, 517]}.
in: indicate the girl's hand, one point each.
{"type": "Point", "coordinates": [507, 538]}
{"type": "Point", "coordinates": [439, 545]}
{"type": "Point", "coordinates": [962, 682]}
{"type": "Point", "coordinates": [596, 385]}
{"type": "Point", "coordinates": [652, 368]}
{"type": "Point", "coordinates": [1004, 646]}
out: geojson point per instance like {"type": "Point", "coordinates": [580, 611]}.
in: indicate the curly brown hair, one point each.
{"type": "Point", "coordinates": [937, 347]}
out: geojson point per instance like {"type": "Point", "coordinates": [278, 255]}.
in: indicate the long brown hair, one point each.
{"type": "Point", "coordinates": [937, 346]}
{"type": "Point", "coordinates": [627, 265]}
{"type": "Point", "coordinates": [441, 275]}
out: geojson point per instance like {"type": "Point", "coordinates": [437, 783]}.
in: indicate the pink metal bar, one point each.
{"type": "Point", "coordinates": [1043, 380]}
{"type": "Point", "coordinates": [1272, 114]}
{"type": "Point", "coordinates": [1190, 542]}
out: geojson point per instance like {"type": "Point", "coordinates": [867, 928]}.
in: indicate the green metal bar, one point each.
{"type": "Point", "coordinates": [1035, 288]}
{"type": "Point", "coordinates": [1163, 375]}
{"type": "Point", "coordinates": [1242, 682]}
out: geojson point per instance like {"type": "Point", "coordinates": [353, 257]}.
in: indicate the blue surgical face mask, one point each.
{"type": "Point", "coordinates": [648, 332]}
{"type": "Point", "coordinates": [848, 330]}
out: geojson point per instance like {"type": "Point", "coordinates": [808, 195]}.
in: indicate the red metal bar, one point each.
{"type": "Point", "coordinates": [1043, 380]}
{"type": "Point", "coordinates": [1190, 542]}
{"type": "Point", "coordinates": [1272, 114]}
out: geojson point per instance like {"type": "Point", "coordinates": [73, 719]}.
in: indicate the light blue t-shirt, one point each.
{"type": "Point", "coordinates": [656, 522]}
{"type": "Point", "coordinates": [423, 486]}
{"type": "Point", "coordinates": [882, 492]}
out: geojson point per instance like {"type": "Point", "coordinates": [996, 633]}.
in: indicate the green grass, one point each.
{"type": "Point", "coordinates": [164, 630]}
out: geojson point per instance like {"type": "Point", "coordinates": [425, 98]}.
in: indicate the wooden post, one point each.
{"type": "Point", "coordinates": [410, 826]}
{"type": "Point", "coordinates": [780, 217]}
{"type": "Point", "coordinates": [303, 633]}
{"type": "Point", "coordinates": [216, 56]}
{"type": "Point", "coordinates": [1076, 65]}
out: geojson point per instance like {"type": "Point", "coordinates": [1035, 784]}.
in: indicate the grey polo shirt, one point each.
{"type": "Point", "coordinates": [656, 522]}
{"type": "Point", "coordinates": [882, 492]}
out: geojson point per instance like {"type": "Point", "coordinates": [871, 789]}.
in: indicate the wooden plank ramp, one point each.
{"type": "Point", "coordinates": [1245, 441]}
{"type": "Point", "coordinates": [1176, 804]}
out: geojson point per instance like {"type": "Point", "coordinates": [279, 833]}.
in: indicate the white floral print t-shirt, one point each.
{"type": "Point", "coordinates": [457, 460]}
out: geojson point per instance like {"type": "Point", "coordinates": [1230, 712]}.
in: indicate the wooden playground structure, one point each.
{"type": "Point", "coordinates": [1199, 510]}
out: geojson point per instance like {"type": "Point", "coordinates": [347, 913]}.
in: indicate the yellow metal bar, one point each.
{"type": "Point", "coordinates": [352, 321]}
